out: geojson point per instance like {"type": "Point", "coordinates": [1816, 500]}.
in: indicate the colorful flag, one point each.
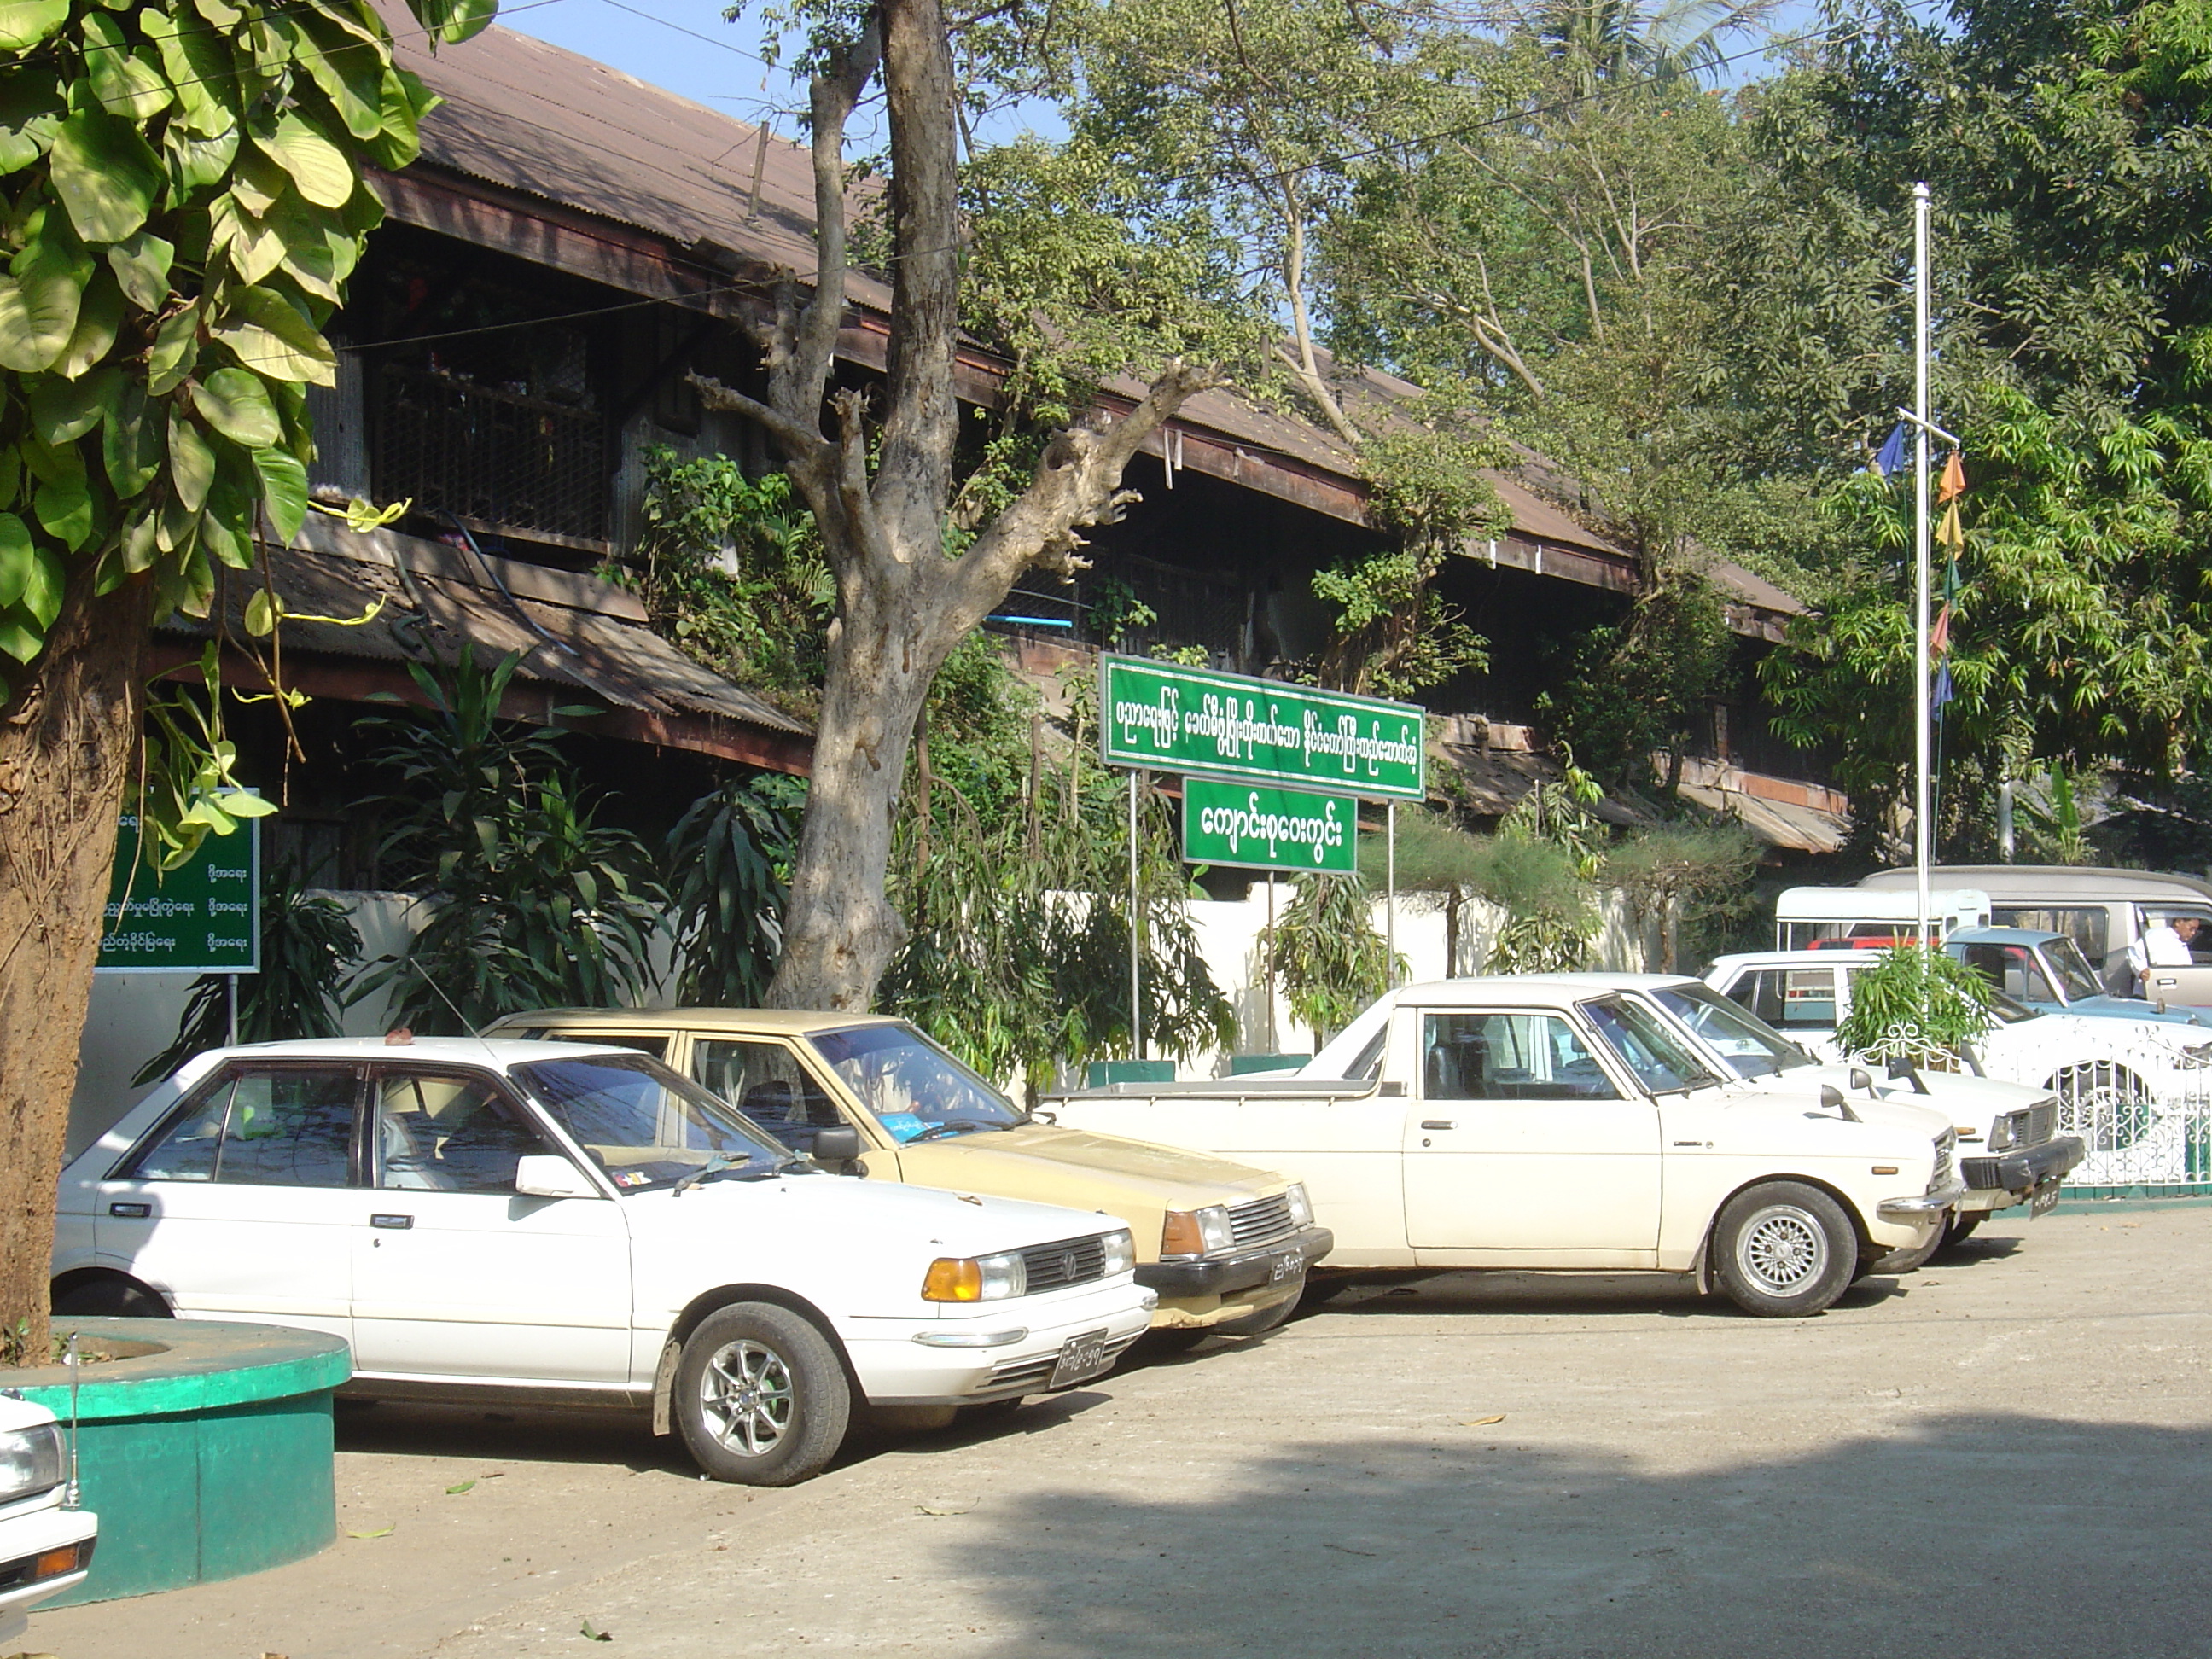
{"type": "Point", "coordinates": [1949, 532]}
{"type": "Point", "coordinates": [1939, 637]}
{"type": "Point", "coordinates": [1954, 484]}
{"type": "Point", "coordinates": [1891, 461]}
{"type": "Point", "coordinates": [1942, 693]}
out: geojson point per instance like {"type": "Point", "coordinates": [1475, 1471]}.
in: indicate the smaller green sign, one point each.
{"type": "Point", "coordinates": [204, 917]}
{"type": "Point", "coordinates": [1259, 829]}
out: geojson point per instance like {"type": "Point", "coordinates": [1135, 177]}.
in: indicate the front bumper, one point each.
{"type": "Point", "coordinates": [1924, 1208]}
{"type": "Point", "coordinates": [1279, 1263]}
{"type": "Point", "coordinates": [897, 1369]}
{"type": "Point", "coordinates": [27, 1544]}
{"type": "Point", "coordinates": [2002, 1180]}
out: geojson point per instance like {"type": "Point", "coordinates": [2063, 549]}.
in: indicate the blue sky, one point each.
{"type": "Point", "coordinates": [685, 47]}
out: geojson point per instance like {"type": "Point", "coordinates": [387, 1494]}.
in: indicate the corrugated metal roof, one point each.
{"type": "Point", "coordinates": [571, 632]}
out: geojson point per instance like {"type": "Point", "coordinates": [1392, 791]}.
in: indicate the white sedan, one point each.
{"type": "Point", "coordinates": [2130, 1089]}
{"type": "Point", "coordinates": [46, 1541]}
{"type": "Point", "coordinates": [544, 1223]}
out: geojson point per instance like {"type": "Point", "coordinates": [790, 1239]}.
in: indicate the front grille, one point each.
{"type": "Point", "coordinates": [1069, 1261]}
{"type": "Point", "coordinates": [1262, 1221]}
{"type": "Point", "coordinates": [1942, 1173]}
{"type": "Point", "coordinates": [1036, 1371]}
{"type": "Point", "coordinates": [2031, 1125]}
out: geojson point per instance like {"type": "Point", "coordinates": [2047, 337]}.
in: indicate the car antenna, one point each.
{"type": "Point", "coordinates": [467, 1025]}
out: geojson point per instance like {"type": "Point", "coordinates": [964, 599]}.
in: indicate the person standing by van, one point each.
{"type": "Point", "coordinates": [2164, 943]}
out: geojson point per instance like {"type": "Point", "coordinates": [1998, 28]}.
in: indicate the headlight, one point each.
{"type": "Point", "coordinates": [1300, 1206]}
{"type": "Point", "coordinates": [1121, 1253]}
{"type": "Point", "coordinates": [979, 1278]}
{"type": "Point", "coordinates": [30, 1462]}
{"type": "Point", "coordinates": [1197, 1233]}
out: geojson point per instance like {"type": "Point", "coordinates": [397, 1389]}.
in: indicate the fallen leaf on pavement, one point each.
{"type": "Point", "coordinates": [381, 1532]}
{"type": "Point", "coordinates": [1482, 1422]}
{"type": "Point", "coordinates": [455, 1491]}
{"type": "Point", "coordinates": [946, 1509]}
{"type": "Point", "coordinates": [591, 1635]}
{"type": "Point", "coordinates": [1347, 1550]}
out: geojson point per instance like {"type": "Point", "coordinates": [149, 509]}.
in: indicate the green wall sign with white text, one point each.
{"type": "Point", "coordinates": [1252, 827]}
{"type": "Point", "coordinates": [204, 917]}
{"type": "Point", "coordinates": [1192, 719]}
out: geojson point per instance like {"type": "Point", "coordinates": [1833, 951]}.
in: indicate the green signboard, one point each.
{"type": "Point", "coordinates": [1192, 719]}
{"type": "Point", "coordinates": [204, 917]}
{"type": "Point", "coordinates": [1253, 828]}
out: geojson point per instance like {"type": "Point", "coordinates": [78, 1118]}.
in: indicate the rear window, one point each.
{"type": "Point", "coordinates": [2087, 925]}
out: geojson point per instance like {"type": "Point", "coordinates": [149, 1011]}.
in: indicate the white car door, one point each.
{"type": "Point", "coordinates": [1522, 1143]}
{"type": "Point", "coordinates": [242, 1203]}
{"type": "Point", "coordinates": [455, 1273]}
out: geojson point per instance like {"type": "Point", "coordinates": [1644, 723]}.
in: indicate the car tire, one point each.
{"type": "Point", "coordinates": [1958, 1230]}
{"type": "Point", "coordinates": [1784, 1250]}
{"type": "Point", "coordinates": [760, 1397]}
{"type": "Point", "coordinates": [111, 1296]}
{"type": "Point", "coordinates": [1902, 1262]}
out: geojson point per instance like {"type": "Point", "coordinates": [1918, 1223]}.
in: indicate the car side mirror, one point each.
{"type": "Point", "coordinates": [540, 1175]}
{"type": "Point", "coordinates": [1861, 1080]}
{"type": "Point", "coordinates": [839, 1146]}
{"type": "Point", "coordinates": [1832, 1098]}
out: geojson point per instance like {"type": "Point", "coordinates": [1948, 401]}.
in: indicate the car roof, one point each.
{"type": "Point", "coordinates": [1794, 958]}
{"type": "Point", "coordinates": [1536, 990]}
{"type": "Point", "coordinates": [2004, 936]}
{"type": "Point", "coordinates": [798, 1021]}
{"type": "Point", "coordinates": [499, 1053]}
{"type": "Point", "coordinates": [2014, 883]}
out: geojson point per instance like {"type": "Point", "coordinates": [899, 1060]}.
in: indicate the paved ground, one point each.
{"type": "Point", "coordinates": [2012, 1453]}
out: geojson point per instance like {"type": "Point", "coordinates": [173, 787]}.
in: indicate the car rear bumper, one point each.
{"type": "Point", "coordinates": [1280, 1262]}
{"type": "Point", "coordinates": [2003, 1179]}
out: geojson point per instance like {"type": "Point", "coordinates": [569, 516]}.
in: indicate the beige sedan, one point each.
{"type": "Point", "coordinates": [1225, 1246]}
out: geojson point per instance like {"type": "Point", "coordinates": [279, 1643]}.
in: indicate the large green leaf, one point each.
{"type": "Point", "coordinates": [141, 263]}
{"type": "Point", "coordinates": [319, 167]}
{"type": "Point", "coordinates": [42, 588]}
{"type": "Point", "coordinates": [30, 115]}
{"type": "Point", "coordinates": [24, 23]}
{"type": "Point", "coordinates": [192, 462]}
{"type": "Point", "coordinates": [17, 551]}
{"type": "Point", "coordinates": [124, 82]}
{"type": "Point", "coordinates": [130, 444]}
{"type": "Point", "coordinates": [198, 163]}
{"type": "Point", "coordinates": [176, 349]}
{"type": "Point", "coordinates": [39, 306]}
{"type": "Point", "coordinates": [204, 70]}
{"type": "Point", "coordinates": [105, 175]}
{"type": "Point", "coordinates": [62, 411]}
{"type": "Point", "coordinates": [406, 100]}
{"type": "Point", "coordinates": [346, 67]}
{"type": "Point", "coordinates": [66, 511]}
{"type": "Point", "coordinates": [284, 490]}
{"type": "Point", "coordinates": [235, 404]}
{"type": "Point", "coordinates": [270, 336]}
{"type": "Point", "coordinates": [98, 318]}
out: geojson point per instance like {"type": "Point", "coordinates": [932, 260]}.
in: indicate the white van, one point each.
{"type": "Point", "coordinates": [1826, 918]}
{"type": "Point", "coordinates": [2104, 911]}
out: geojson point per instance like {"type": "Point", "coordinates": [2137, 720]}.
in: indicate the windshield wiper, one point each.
{"type": "Point", "coordinates": [715, 1165]}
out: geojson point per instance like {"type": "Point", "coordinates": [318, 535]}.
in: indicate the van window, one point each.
{"type": "Point", "coordinates": [1789, 999]}
{"type": "Point", "coordinates": [2200, 947]}
{"type": "Point", "coordinates": [2087, 925]}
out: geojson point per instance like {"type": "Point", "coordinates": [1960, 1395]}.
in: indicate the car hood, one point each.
{"type": "Point", "coordinates": [1947, 1091]}
{"type": "Point", "coordinates": [867, 1215]}
{"type": "Point", "coordinates": [1077, 1166]}
{"type": "Point", "coordinates": [1885, 1111]}
{"type": "Point", "coordinates": [2130, 1008]}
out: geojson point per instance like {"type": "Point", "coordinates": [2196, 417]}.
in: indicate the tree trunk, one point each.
{"type": "Point", "coordinates": [68, 740]}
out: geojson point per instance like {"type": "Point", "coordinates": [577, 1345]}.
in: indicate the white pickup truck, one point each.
{"type": "Point", "coordinates": [1545, 1123]}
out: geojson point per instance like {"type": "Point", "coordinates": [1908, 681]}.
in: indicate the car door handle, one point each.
{"type": "Point", "coordinates": [130, 1211]}
{"type": "Point", "coordinates": [397, 1222]}
{"type": "Point", "coordinates": [1438, 1123]}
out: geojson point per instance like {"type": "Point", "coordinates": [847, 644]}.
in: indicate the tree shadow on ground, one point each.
{"type": "Point", "coordinates": [1947, 1536]}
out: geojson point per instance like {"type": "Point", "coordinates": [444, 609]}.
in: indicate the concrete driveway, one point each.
{"type": "Point", "coordinates": [2012, 1452]}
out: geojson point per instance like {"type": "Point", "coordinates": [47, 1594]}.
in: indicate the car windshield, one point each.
{"type": "Point", "coordinates": [646, 1125]}
{"type": "Point", "coordinates": [2067, 962]}
{"type": "Point", "coordinates": [1751, 1046]}
{"type": "Point", "coordinates": [1656, 1053]}
{"type": "Point", "coordinates": [912, 1087]}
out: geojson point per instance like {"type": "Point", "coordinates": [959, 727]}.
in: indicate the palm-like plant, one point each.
{"type": "Point", "coordinates": [1609, 43]}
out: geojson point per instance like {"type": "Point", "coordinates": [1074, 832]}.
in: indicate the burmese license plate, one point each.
{"type": "Point", "coordinates": [2045, 1200]}
{"type": "Point", "coordinates": [1081, 1358]}
{"type": "Point", "coordinates": [1285, 1267]}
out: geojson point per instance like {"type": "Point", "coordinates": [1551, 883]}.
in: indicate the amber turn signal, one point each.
{"type": "Point", "coordinates": [949, 1280]}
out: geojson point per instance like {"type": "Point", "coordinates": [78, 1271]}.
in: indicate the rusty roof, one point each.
{"type": "Point", "coordinates": [576, 635]}
{"type": "Point", "coordinates": [527, 116]}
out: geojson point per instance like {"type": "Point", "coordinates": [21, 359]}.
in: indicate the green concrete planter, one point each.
{"type": "Point", "coordinates": [204, 1449]}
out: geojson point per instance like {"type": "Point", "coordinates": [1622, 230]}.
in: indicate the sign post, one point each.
{"type": "Point", "coordinates": [204, 917]}
{"type": "Point", "coordinates": [1273, 774]}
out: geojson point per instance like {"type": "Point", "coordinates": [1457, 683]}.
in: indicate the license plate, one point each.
{"type": "Point", "coordinates": [2045, 1200]}
{"type": "Point", "coordinates": [1284, 1268]}
{"type": "Point", "coordinates": [1081, 1358]}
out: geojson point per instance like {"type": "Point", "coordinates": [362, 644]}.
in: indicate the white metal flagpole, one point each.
{"type": "Point", "coordinates": [1922, 830]}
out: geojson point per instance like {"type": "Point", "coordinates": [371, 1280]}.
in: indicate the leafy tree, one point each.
{"type": "Point", "coordinates": [730, 854]}
{"type": "Point", "coordinates": [183, 203]}
{"type": "Point", "coordinates": [531, 902]}
{"type": "Point", "coordinates": [911, 581]}
{"type": "Point", "coordinates": [1681, 879]}
{"type": "Point", "coordinates": [1328, 957]}
{"type": "Point", "coordinates": [1916, 1004]}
